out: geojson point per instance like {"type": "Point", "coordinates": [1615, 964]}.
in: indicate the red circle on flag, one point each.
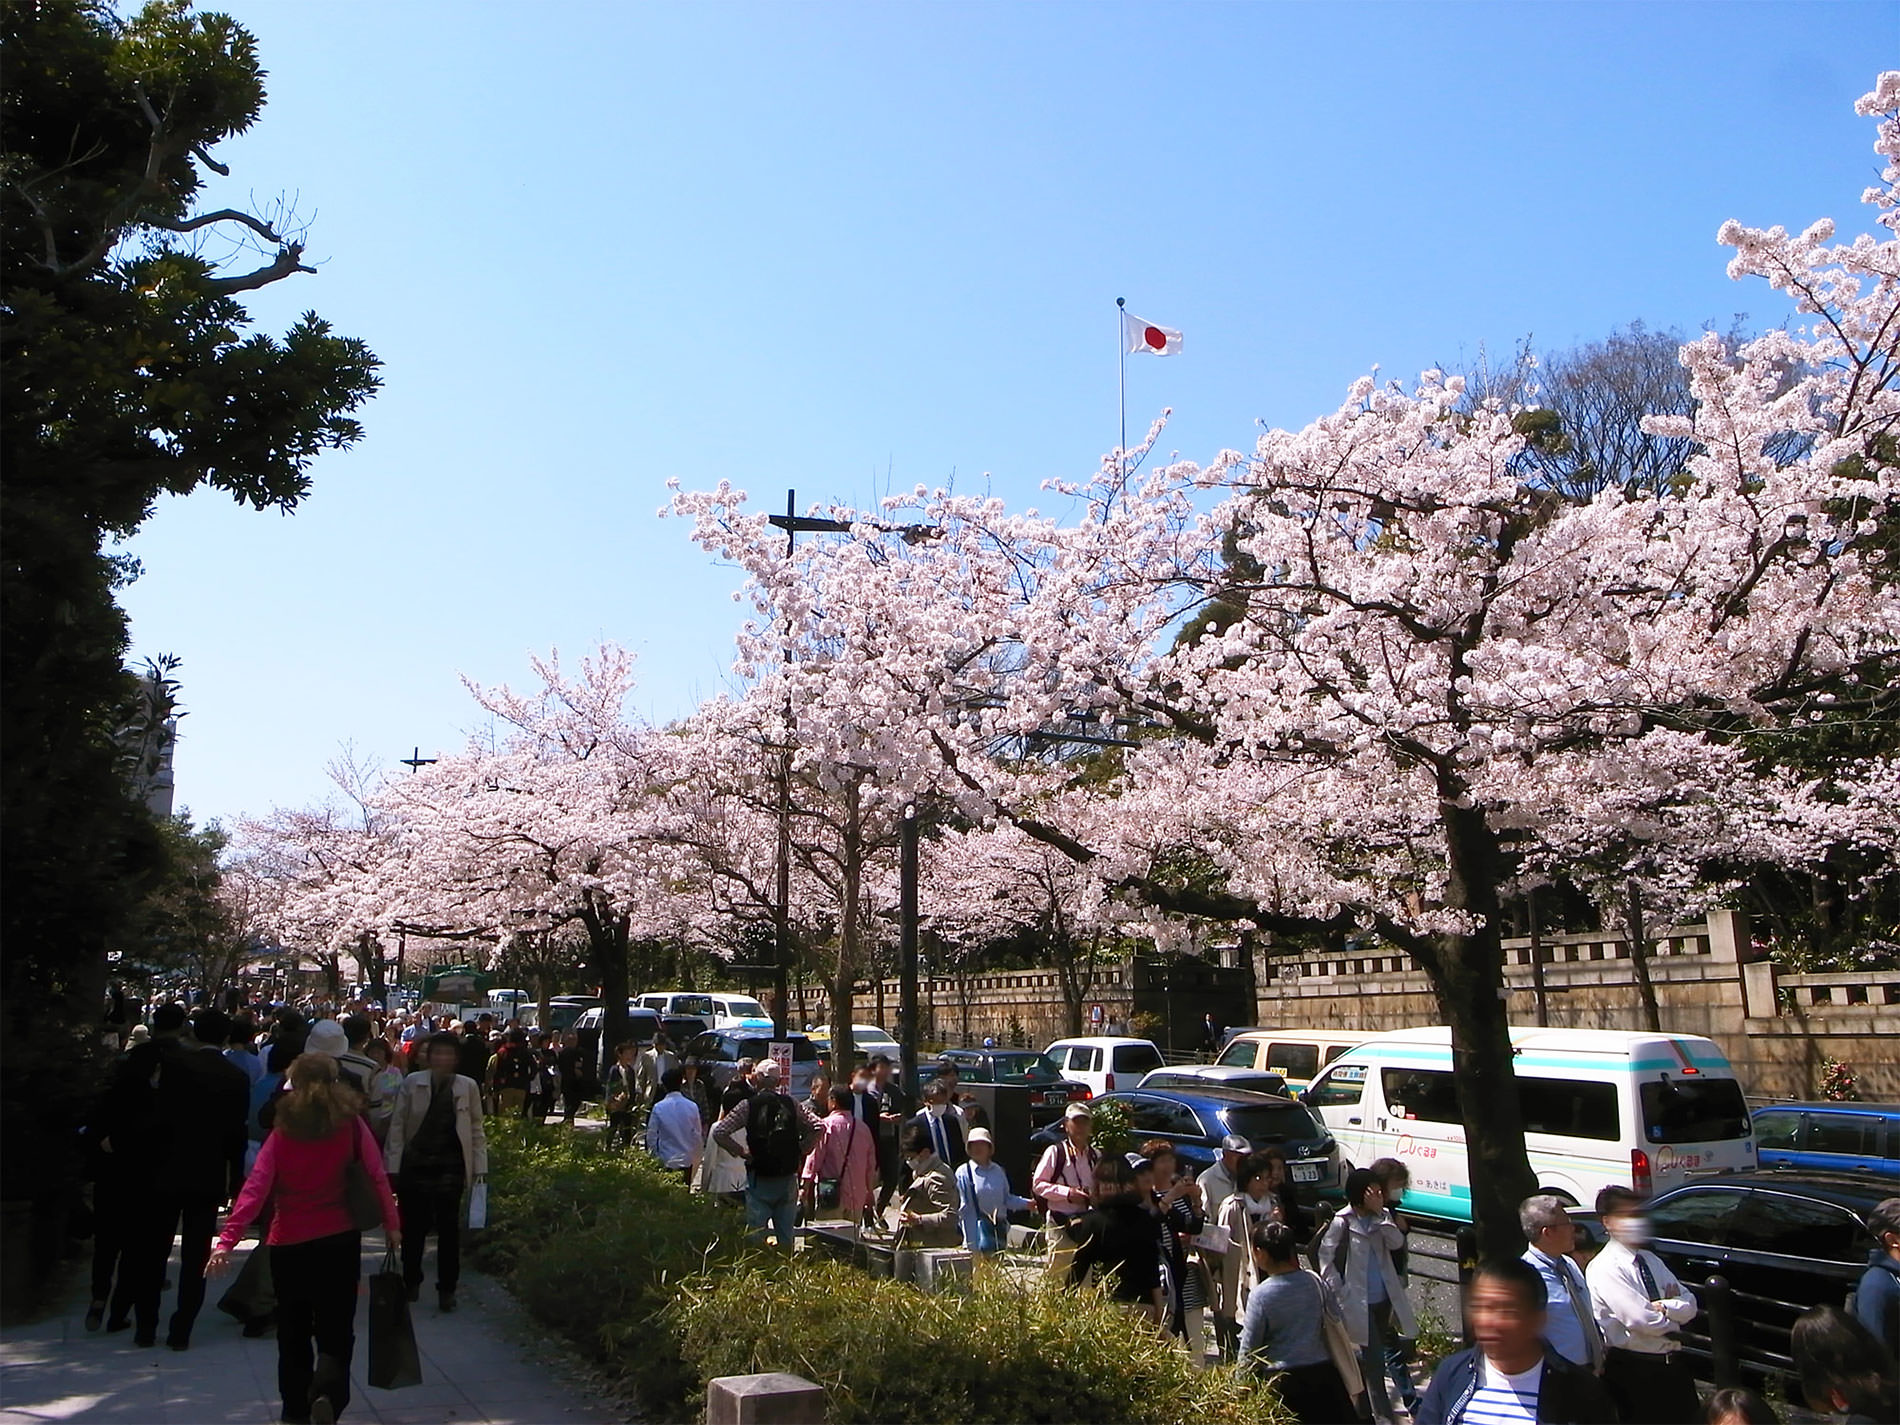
{"type": "Point", "coordinates": [1155, 337]}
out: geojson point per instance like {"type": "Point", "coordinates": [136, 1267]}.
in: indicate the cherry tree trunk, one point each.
{"type": "Point", "coordinates": [1467, 974]}
{"type": "Point", "coordinates": [1639, 956]}
{"type": "Point", "coordinates": [844, 978]}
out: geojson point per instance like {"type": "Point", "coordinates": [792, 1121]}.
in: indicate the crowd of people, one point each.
{"type": "Point", "coordinates": [314, 1128]}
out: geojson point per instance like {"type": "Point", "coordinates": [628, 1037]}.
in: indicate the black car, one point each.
{"type": "Point", "coordinates": [1049, 1092]}
{"type": "Point", "coordinates": [1784, 1240]}
{"type": "Point", "coordinates": [1195, 1120]}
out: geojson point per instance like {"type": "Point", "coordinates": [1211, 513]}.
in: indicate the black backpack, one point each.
{"type": "Point", "coordinates": [772, 1136]}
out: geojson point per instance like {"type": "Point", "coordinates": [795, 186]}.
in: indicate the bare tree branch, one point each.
{"type": "Point", "coordinates": [287, 262]}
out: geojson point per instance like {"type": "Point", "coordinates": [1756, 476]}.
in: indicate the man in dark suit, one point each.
{"type": "Point", "coordinates": [180, 1108]}
{"type": "Point", "coordinates": [893, 1107]}
{"type": "Point", "coordinates": [943, 1124]}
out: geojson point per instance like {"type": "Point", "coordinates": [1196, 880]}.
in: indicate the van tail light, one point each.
{"type": "Point", "coordinates": [1108, 1082]}
{"type": "Point", "coordinates": [1640, 1177]}
{"type": "Point", "coordinates": [1079, 1093]}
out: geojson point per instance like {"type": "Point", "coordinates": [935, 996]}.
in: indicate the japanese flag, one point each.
{"type": "Point", "coordinates": [1146, 336]}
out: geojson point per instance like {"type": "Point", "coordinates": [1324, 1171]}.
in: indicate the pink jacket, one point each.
{"type": "Point", "coordinates": [847, 1152]}
{"type": "Point", "coordinates": [302, 1180]}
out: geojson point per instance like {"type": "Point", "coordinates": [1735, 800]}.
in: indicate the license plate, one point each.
{"type": "Point", "coordinates": [1306, 1172]}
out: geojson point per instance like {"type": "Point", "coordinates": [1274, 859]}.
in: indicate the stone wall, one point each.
{"type": "Point", "coordinates": [1776, 1028]}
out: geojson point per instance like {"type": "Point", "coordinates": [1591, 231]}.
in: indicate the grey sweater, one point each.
{"type": "Point", "coordinates": [1282, 1326]}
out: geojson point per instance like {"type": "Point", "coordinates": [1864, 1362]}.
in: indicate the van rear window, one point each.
{"type": "Point", "coordinates": [1693, 1110]}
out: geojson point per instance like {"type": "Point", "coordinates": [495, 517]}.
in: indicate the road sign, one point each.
{"type": "Point", "coordinates": [1096, 1015]}
{"type": "Point", "coordinates": [781, 1051]}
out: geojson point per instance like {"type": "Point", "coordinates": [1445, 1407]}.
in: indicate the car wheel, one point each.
{"type": "Point", "coordinates": [1565, 1198]}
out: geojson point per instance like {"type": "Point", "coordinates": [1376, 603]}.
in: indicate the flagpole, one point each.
{"type": "Point", "coordinates": [1121, 345]}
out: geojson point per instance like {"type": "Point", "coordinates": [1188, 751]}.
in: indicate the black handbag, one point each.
{"type": "Point", "coordinates": [828, 1187]}
{"type": "Point", "coordinates": [359, 1189]}
{"type": "Point", "coordinates": [394, 1361]}
{"type": "Point", "coordinates": [252, 1296]}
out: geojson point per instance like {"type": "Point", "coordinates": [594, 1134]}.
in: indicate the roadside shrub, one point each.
{"type": "Point", "coordinates": [1005, 1352]}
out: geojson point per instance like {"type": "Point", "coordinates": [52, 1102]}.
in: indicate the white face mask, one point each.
{"type": "Point", "coordinates": [1631, 1230]}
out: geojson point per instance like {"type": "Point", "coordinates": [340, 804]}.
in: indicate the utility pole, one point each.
{"type": "Point", "coordinates": [907, 950]}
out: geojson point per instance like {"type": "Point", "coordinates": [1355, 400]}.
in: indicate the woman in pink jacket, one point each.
{"type": "Point", "coordinates": [846, 1150]}
{"type": "Point", "coordinates": [315, 1250]}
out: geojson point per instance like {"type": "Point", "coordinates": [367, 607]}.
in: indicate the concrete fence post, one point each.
{"type": "Point", "coordinates": [771, 1399]}
{"type": "Point", "coordinates": [1758, 990]}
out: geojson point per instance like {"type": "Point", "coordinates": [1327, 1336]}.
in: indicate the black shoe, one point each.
{"type": "Point", "coordinates": [415, 1291]}
{"type": "Point", "coordinates": [95, 1315]}
{"type": "Point", "coordinates": [445, 1300]}
{"type": "Point", "coordinates": [117, 1323]}
{"type": "Point", "coordinates": [258, 1326]}
{"type": "Point", "coordinates": [288, 1419]}
{"type": "Point", "coordinates": [177, 1342]}
{"type": "Point", "coordinates": [322, 1412]}
{"type": "Point", "coordinates": [145, 1340]}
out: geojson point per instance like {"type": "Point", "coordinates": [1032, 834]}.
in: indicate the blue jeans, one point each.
{"type": "Point", "coordinates": [773, 1200]}
{"type": "Point", "coordinates": [1379, 1331]}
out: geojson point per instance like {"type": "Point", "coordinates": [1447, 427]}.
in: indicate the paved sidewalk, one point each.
{"type": "Point", "coordinates": [477, 1365]}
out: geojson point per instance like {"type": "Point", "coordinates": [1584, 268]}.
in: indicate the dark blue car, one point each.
{"type": "Point", "coordinates": [1834, 1137]}
{"type": "Point", "coordinates": [1195, 1120]}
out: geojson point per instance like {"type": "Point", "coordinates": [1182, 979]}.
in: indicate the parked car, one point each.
{"type": "Point", "coordinates": [1600, 1106]}
{"type": "Point", "coordinates": [866, 1040]}
{"type": "Point", "coordinates": [1050, 1091]}
{"type": "Point", "coordinates": [719, 1053]}
{"type": "Point", "coordinates": [1196, 1076]}
{"type": "Point", "coordinates": [675, 1003]}
{"type": "Point", "coordinates": [1105, 1063]}
{"type": "Point", "coordinates": [1843, 1137]}
{"type": "Point", "coordinates": [1786, 1240]}
{"type": "Point", "coordinates": [564, 1011]}
{"type": "Point", "coordinates": [1296, 1055]}
{"type": "Point", "coordinates": [731, 1010]}
{"type": "Point", "coordinates": [1195, 1120]}
{"type": "Point", "coordinates": [642, 1025]}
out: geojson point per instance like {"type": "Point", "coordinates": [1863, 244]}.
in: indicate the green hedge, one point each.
{"type": "Point", "coordinates": [656, 1284]}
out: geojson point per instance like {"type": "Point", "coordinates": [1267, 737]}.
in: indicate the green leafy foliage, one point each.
{"type": "Point", "coordinates": [657, 1284]}
{"type": "Point", "coordinates": [1003, 1352]}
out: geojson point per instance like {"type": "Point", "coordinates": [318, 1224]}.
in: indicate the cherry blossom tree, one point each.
{"type": "Point", "coordinates": [1425, 673]}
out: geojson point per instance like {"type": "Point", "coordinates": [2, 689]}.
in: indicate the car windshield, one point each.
{"type": "Point", "coordinates": [1024, 1069]}
{"type": "Point", "coordinates": [691, 1004]}
{"type": "Point", "coordinates": [1693, 1110]}
{"type": "Point", "coordinates": [739, 1007]}
{"type": "Point", "coordinates": [803, 1050]}
{"type": "Point", "coordinates": [1261, 1123]}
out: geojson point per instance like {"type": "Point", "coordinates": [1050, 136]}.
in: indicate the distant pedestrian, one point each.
{"type": "Point", "coordinates": [437, 1148]}
{"type": "Point", "coordinates": [650, 1070]}
{"type": "Point", "coordinates": [984, 1200]}
{"type": "Point", "coordinates": [779, 1131]}
{"type": "Point", "coordinates": [621, 1096]}
{"type": "Point", "coordinates": [844, 1156]}
{"type": "Point", "coordinates": [1210, 1033]}
{"type": "Point", "coordinates": [1064, 1181]}
{"type": "Point", "coordinates": [1639, 1306]}
{"type": "Point", "coordinates": [1394, 1178]}
{"type": "Point", "coordinates": [1220, 1182]}
{"type": "Point", "coordinates": [893, 1107]}
{"type": "Point", "coordinates": [1177, 1201]}
{"type": "Point", "coordinates": [511, 1074]}
{"type": "Point", "coordinates": [569, 1064]}
{"type": "Point", "coordinates": [1512, 1374]}
{"type": "Point", "coordinates": [384, 1080]}
{"type": "Point", "coordinates": [942, 1124]}
{"type": "Point", "coordinates": [315, 1247]}
{"type": "Point", "coordinates": [673, 1131]}
{"type": "Point", "coordinates": [1877, 1299]}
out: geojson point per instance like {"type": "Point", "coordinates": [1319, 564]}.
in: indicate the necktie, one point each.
{"type": "Point", "coordinates": [1592, 1334]}
{"type": "Point", "coordinates": [1649, 1277]}
{"type": "Point", "coordinates": [943, 1141]}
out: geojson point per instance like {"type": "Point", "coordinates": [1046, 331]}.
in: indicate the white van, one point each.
{"type": "Point", "coordinates": [1648, 1111]}
{"type": "Point", "coordinates": [672, 1003]}
{"type": "Point", "coordinates": [1104, 1063]}
{"type": "Point", "coordinates": [1296, 1055]}
{"type": "Point", "coordinates": [733, 1011]}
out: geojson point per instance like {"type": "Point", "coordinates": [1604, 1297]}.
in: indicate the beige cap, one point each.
{"type": "Point", "coordinates": [979, 1135]}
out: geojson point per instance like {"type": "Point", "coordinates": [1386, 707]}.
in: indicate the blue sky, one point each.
{"type": "Point", "coordinates": [849, 247]}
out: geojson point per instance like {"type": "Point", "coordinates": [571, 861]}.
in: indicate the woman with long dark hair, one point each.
{"type": "Point", "coordinates": [1843, 1367]}
{"type": "Point", "coordinates": [315, 1247]}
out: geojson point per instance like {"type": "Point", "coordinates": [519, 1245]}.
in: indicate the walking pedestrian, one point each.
{"type": "Point", "coordinates": [779, 1131]}
{"type": "Point", "coordinates": [621, 1096]}
{"type": "Point", "coordinates": [511, 1074]}
{"type": "Point", "coordinates": [1512, 1374]}
{"type": "Point", "coordinates": [1355, 1257]}
{"type": "Point", "coordinates": [893, 1106]}
{"type": "Point", "coordinates": [1394, 1178]}
{"type": "Point", "coordinates": [840, 1174]}
{"type": "Point", "coordinates": [568, 1063]}
{"type": "Point", "coordinates": [1253, 1206]}
{"type": "Point", "coordinates": [315, 1247]}
{"type": "Point", "coordinates": [437, 1148]}
{"type": "Point", "coordinates": [1283, 1337]}
{"type": "Point", "coordinates": [1064, 1182]}
{"type": "Point", "coordinates": [1639, 1306]}
{"type": "Point", "coordinates": [984, 1200]}
{"type": "Point", "coordinates": [178, 1110]}
{"type": "Point", "coordinates": [1116, 1239]}
{"type": "Point", "coordinates": [1177, 1200]}
{"type": "Point", "coordinates": [1570, 1324]}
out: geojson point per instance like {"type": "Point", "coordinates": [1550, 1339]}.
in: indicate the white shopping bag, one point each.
{"type": "Point", "coordinates": [478, 1205]}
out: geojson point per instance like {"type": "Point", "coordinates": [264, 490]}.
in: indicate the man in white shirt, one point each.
{"type": "Point", "coordinates": [1569, 1315]}
{"type": "Point", "coordinates": [1639, 1304]}
{"type": "Point", "coordinates": [673, 1131]}
{"type": "Point", "coordinates": [1512, 1377]}
{"type": "Point", "coordinates": [1064, 1181]}
{"type": "Point", "coordinates": [1219, 1183]}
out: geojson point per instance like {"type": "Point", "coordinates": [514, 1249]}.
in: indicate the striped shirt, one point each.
{"type": "Point", "coordinates": [1505, 1399]}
